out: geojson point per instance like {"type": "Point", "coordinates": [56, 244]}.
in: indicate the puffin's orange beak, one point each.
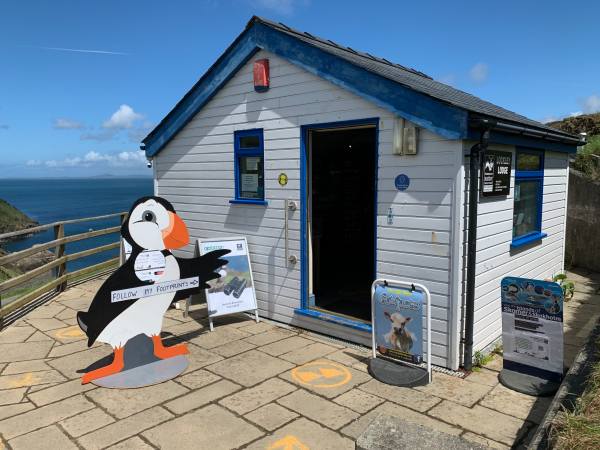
{"type": "Point", "coordinates": [176, 235]}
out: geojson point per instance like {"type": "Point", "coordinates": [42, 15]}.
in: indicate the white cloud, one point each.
{"type": "Point", "coordinates": [575, 114]}
{"type": "Point", "coordinates": [67, 124]}
{"type": "Point", "coordinates": [590, 104]}
{"type": "Point", "coordinates": [82, 50]}
{"type": "Point", "coordinates": [285, 7]}
{"type": "Point", "coordinates": [479, 72]}
{"type": "Point", "coordinates": [122, 118]}
{"type": "Point", "coordinates": [93, 158]}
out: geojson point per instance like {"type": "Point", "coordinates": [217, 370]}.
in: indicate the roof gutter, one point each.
{"type": "Point", "coordinates": [497, 125]}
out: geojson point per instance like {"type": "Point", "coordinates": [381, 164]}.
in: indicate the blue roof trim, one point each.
{"type": "Point", "coordinates": [425, 111]}
{"type": "Point", "coordinates": [497, 137]}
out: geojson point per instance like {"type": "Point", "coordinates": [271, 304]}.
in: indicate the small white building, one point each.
{"type": "Point", "coordinates": [374, 157]}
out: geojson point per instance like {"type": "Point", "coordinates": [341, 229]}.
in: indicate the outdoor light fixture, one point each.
{"type": "Point", "coordinates": [405, 138]}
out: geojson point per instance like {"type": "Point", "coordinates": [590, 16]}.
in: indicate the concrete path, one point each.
{"type": "Point", "coordinates": [256, 386]}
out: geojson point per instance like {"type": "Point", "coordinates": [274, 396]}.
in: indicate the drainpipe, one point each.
{"type": "Point", "coordinates": [472, 241]}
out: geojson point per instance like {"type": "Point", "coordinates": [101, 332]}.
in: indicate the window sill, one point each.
{"type": "Point", "coordinates": [527, 239]}
{"type": "Point", "coordinates": [332, 318]}
{"type": "Point", "coordinates": [240, 201]}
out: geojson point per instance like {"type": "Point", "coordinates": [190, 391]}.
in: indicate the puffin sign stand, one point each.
{"type": "Point", "coordinates": [127, 311]}
{"type": "Point", "coordinates": [397, 333]}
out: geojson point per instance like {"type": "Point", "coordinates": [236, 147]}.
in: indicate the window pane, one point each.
{"type": "Point", "coordinates": [525, 213]}
{"type": "Point", "coordinates": [529, 161]}
{"type": "Point", "coordinates": [249, 142]}
{"type": "Point", "coordinates": [251, 177]}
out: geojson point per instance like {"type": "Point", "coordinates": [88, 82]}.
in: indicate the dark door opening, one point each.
{"type": "Point", "coordinates": [342, 220]}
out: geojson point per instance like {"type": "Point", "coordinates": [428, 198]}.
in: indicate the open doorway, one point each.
{"type": "Point", "coordinates": [341, 220]}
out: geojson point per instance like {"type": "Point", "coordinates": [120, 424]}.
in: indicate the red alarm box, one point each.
{"type": "Point", "coordinates": [261, 75]}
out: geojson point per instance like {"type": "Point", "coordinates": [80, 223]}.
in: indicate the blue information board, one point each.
{"type": "Point", "coordinates": [402, 182]}
{"type": "Point", "coordinates": [398, 323]}
{"type": "Point", "coordinates": [532, 327]}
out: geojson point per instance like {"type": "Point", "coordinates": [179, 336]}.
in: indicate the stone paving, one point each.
{"type": "Point", "coordinates": [248, 385]}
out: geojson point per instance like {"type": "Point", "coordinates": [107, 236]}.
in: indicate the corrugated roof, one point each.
{"type": "Point", "coordinates": [409, 77]}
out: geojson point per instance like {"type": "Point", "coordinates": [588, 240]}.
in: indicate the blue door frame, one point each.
{"type": "Point", "coordinates": [304, 306]}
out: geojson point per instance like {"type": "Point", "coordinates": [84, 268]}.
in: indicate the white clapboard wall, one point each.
{"type": "Point", "coordinates": [195, 172]}
{"type": "Point", "coordinates": [494, 236]}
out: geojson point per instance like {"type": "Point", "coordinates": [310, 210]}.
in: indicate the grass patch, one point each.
{"type": "Point", "coordinates": [481, 359]}
{"type": "Point", "coordinates": [580, 429]}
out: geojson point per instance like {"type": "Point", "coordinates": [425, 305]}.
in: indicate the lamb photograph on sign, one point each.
{"type": "Point", "coordinates": [233, 292]}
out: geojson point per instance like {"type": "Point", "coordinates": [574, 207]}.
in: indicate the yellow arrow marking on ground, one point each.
{"type": "Point", "coordinates": [69, 333]}
{"type": "Point", "coordinates": [288, 443]}
{"type": "Point", "coordinates": [321, 374]}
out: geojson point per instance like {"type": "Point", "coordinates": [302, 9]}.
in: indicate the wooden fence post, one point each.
{"type": "Point", "coordinates": [59, 252]}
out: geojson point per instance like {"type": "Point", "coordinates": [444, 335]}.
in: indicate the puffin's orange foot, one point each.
{"type": "Point", "coordinates": [115, 367]}
{"type": "Point", "coordinates": [162, 352]}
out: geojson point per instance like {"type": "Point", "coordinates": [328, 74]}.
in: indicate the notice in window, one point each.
{"type": "Point", "coordinates": [252, 163]}
{"type": "Point", "coordinates": [249, 182]}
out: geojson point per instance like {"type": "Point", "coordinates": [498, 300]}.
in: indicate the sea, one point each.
{"type": "Point", "coordinates": [52, 199]}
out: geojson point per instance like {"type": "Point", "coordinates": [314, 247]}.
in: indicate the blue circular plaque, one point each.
{"type": "Point", "coordinates": [402, 182]}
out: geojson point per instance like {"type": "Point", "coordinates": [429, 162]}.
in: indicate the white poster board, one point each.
{"type": "Point", "coordinates": [234, 291]}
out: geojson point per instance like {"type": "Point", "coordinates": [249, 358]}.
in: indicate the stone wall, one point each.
{"type": "Point", "coordinates": [583, 223]}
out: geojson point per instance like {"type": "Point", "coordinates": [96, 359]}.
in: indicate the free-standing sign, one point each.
{"type": "Point", "coordinates": [495, 173]}
{"type": "Point", "coordinates": [397, 332]}
{"type": "Point", "coordinates": [233, 292]}
{"type": "Point", "coordinates": [532, 327]}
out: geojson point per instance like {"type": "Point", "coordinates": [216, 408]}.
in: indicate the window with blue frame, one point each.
{"type": "Point", "coordinates": [249, 157]}
{"type": "Point", "coordinates": [529, 183]}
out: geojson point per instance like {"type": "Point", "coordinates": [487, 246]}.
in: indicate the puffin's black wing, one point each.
{"type": "Point", "coordinates": [205, 267]}
{"type": "Point", "coordinates": [102, 311]}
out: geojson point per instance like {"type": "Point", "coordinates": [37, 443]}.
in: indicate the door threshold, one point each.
{"type": "Point", "coordinates": [357, 324]}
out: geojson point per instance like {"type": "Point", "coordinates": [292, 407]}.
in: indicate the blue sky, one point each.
{"type": "Point", "coordinates": [69, 111]}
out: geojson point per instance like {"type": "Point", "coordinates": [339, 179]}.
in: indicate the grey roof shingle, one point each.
{"type": "Point", "coordinates": [411, 78]}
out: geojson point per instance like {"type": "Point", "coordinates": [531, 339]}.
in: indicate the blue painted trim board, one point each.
{"type": "Point", "coordinates": [238, 152]}
{"type": "Point", "coordinates": [305, 304]}
{"type": "Point", "coordinates": [523, 141]}
{"type": "Point", "coordinates": [531, 175]}
{"type": "Point", "coordinates": [437, 116]}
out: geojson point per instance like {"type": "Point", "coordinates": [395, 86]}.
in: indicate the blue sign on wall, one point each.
{"type": "Point", "coordinates": [402, 182]}
{"type": "Point", "coordinates": [397, 314]}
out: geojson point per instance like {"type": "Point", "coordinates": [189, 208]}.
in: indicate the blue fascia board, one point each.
{"type": "Point", "coordinates": [527, 239]}
{"type": "Point", "coordinates": [332, 318]}
{"type": "Point", "coordinates": [439, 117]}
{"type": "Point", "coordinates": [523, 141]}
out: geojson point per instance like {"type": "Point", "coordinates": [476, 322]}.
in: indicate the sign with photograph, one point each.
{"type": "Point", "coordinates": [234, 291]}
{"type": "Point", "coordinates": [398, 323]}
{"type": "Point", "coordinates": [532, 327]}
{"type": "Point", "coordinates": [495, 173]}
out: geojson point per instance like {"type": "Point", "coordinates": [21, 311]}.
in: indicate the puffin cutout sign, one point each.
{"type": "Point", "coordinates": [127, 311]}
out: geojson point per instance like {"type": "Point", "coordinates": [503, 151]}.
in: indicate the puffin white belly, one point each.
{"type": "Point", "coordinates": [145, 316]}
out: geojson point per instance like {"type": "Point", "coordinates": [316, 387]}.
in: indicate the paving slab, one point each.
{"type": "Point", "coordinates": [303, 434]}
{"type": "Point", "coordinates": [413, 399]}
{"type": "Point", "coordinates": [233, 348]}
{"type": "Point", "coordinates": [35, 365]}
{"type": "Point", "coordinates": [255, 328]}
{"type": "Point", "coordinates": [317, 408]}
{"type": "Point", "coordinates": [73, 365]}
{"type": "Point", "coordinates": [67, 349]}
{"type": "Point", "coordinates": [46, 311]}
{"type": "Point", "coordinates": [134, 443]}
{"type": "Point", "coordinates": [285, 345]}
{"type": "Point", "coordinates": [250, 368]}
{"type": "Point", "coordinates": [358, 359]}
{"type": "Point", "coordinates": [495, 364]}
{"type": "Point", "coordinates": [122, 403]}
{"type": "Point", "coordinates": [14, 409]}
{"type": "Point", "coordinates": [39, 336]}
{"type": "Point", "coordinates": [67, 334]}
{"type": "Point", "coordinates": [197, 379]}
{"type": "Point", "coordinates": [30, 379]}
{"type": "Point", "coordinates": [59, 392]}
{"type": "Point", "coordinates": [124, 429]}
{"type": "Point", "coordinates": [477, 439]}
{"type": "Point", "coordinates": [49, 437]}
{"type": "Point", "coordinates": [515, 404]}
{"type": "Point", "coordinates": [16, 334]}
{"type": "Point", "coordinates": [46, 324]}
{"type": "Point", "coordinates": [10, 396]}
{"type": "Point", "coordinates": [86, 422]}
{"type": "Point", "coordinates": [252, 398]}
{"type": "Point", "coordinates": [271, 416]}
{"type": "Point", "coordinates": [483, 376]}
{"type": "Point", "coordinates": [273, 335]}
{"type": "Point", "coordinates": [212, 427]}
{"type": "Point", "coordinates": [308, 353]}
{"type": "Point", "coordinates": [359, 401]}
{"type": "Point", "coordinates": [221, 336]}
{"type": "Point", "coordinates": [24, 351]}
{"type": "Point", "coordinates": [202, 396]}
{"type": "Point", "coordinates": [44, 416]}
{"type": "Point", "coordinates": [494, 425]}
{"type": "Point", "coordinates": [356, 428]}
{"type": "Point", "coordinates": [455, 389]}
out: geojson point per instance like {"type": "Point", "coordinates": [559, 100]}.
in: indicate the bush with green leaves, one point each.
{"type": "Point", "coordinates": [587, 159]}
{"type": "Point", "coordinates": [567, 286]}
